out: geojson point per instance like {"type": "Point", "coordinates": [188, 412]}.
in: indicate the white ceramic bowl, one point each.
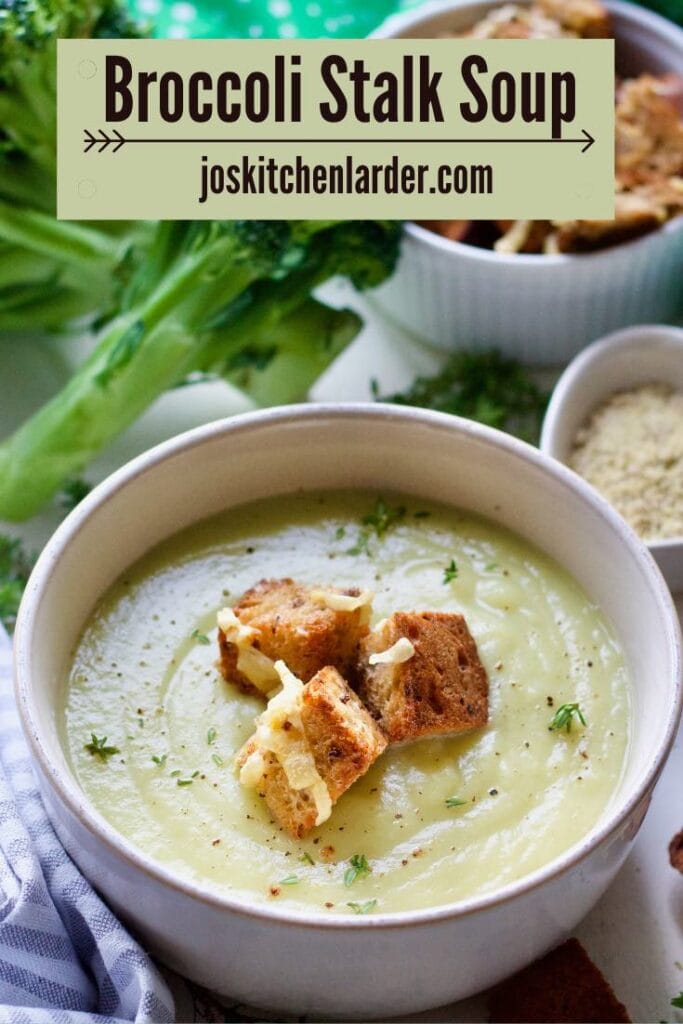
{"type": "Point", "coordinates": [384, 964]}
{"type": "Point", "coordinates": [540, 309]}
{"type": "Point", "coordinates": [623, 360]}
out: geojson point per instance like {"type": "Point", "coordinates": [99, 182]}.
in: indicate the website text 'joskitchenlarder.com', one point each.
{"type": "Point", "coordinates": [265, 175]}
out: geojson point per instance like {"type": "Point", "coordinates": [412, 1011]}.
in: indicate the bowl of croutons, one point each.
{"type": "Point", "coordinates": [541, 290]}
{"type": "Point", "coordinates": [347, 710]}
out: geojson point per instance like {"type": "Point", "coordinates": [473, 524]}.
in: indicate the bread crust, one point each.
{"type": "Point", "coordinates": [564, 986]}
{"type": "Point", "coordinates": [294, 627]}
{"type": "Point", "coordinates": [441, 689]}
{"type": "Point", "coordinates": [676, 852]}
{"type": "Point", "coordinates": [587, 18]}
{"type": "Point", "coordinates": [344, 740]}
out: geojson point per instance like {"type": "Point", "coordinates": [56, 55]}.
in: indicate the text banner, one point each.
{"type": "Point", "coordinates": [399, 128]}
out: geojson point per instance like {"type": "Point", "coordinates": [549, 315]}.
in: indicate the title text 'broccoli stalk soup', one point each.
{"type": "Point", "coordinates": [472, 723]}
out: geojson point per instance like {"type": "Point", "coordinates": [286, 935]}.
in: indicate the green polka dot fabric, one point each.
{"type": "Point", "coordinates": [288, 19]}
{"type": "Point", "coordinates": [265, 19]}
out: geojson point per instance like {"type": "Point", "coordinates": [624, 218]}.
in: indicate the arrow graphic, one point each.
{"type": "Point", "coordinates": [116, 140]}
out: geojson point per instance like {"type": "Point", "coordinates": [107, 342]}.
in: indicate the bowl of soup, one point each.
{"type": "Point", "coordinates": [455, 859]}
{"type": "Point", "coordinates": [542, 303]}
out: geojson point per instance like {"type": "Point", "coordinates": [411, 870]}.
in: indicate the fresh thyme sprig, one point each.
{"type": "Point", "coordinates": [98, 747]}
{"type": "Point", "coordinates": [359, 867]}
{"type": "Point", "coordinates": [564, 717]}
{"type": "Point", "coordinates": [362, 908]}
{"type": "Point", "coordinates": [450, 573]}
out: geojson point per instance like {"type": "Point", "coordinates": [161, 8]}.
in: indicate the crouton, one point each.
{"type": "Point", "coordinates": [564, 986]}
{"type": "Point", "coordinates": [421, 676]}
{"type": "Point", "coordinates": [634, 215]}
{"type": "Point", "coordinates": [307, 628]}
{"type": "Point", "coordinates": [312, 742]}
{"type": "Point", "coordinates": [516, 21]}
{"type": "Point", "coordinates": [455, 230]}
{"type": "Point", "coordinates": [587, 18]}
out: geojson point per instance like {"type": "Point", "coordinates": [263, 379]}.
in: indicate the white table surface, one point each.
{"type": "Point", "coordinates": [635, 933]}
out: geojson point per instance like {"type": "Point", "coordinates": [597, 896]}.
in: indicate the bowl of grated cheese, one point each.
{"type": "Point", "coordinates": [616, 418]}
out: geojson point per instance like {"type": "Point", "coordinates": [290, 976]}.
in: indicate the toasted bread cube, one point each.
{"type": "Point", "coordinates": [455, 230]}
{"type": "Point", "coordinates": [323, 721]}
{"type": "Point", "coordinates": [306, 627]}
{"type": "Point", "coordinates": [634, 215]}
{"type": "Point", "coordinates": [587, 18]}
{"type": "Point", "coordinates": [422, 676]}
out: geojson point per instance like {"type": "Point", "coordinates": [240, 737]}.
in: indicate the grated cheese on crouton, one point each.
{"type": "Point", "coordinates": [311, 743]}
{"type": "Point", "coordinates": [307, 628]}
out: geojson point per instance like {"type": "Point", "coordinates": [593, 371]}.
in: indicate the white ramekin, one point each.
{"type": "Point", "coordinates": [540, 309]}
{"type": "Point", "coordinates": [626, 359]}
{"type": "Point", "coordinates": [345, 966]}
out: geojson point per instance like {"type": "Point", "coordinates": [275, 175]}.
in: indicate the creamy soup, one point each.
{"type": "Point", "coordinates": [437, 820]}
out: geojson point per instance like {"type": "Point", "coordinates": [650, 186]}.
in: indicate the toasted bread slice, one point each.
{"type": "Point", "coordinates": [312, 742]}
{"type": "Point", "coordinates": [421, 676]}
{"type": "Point", "coordinates": [564, 986]}
{"type": "Point", "coordinates": [306, 627]}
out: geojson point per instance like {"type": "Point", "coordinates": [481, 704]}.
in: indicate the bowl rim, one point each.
{"type": "Point", "coordinates": [581, 365]}
{"type": "Point", "coordinates": [395, 24]}
{"type": "Point", "coordinates": [78, 804]}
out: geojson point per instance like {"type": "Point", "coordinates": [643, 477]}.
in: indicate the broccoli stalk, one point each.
{"type": "Point", "coordinates": [51, 272]}
{"type": "Point", "coordinates": [215, 295]}
{"type": "Point", "coordinates": [286, 359]}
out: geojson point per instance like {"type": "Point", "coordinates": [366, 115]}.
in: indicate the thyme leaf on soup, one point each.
{"type": "Point", "coordinates": [340, 533]}
{"type": "Point", "coordinates": [217, 760]}
{"type": "Point", "coordinates": [383, 517]}
{"type": "Point", "coordinates": [564, 717]}
{"type": "Point", "coordinates": [362, 908]}
{"type": "Point", "coordinates": [450, 573]}
{"type": "Point", "coordinates": [377, 522]}
{"type": "Point", "coordinates": [184, 782]}
{"type": "Point", "coordinates": [362, 545]}
{"type": "Point", "coordinates": [306, 858]}
{"type": "Point", "coordinates": [201, 638]}
{"type": "Point", "coordinates": [455, 801]}
{"type": "Point", "coordinates": [211, 736]}
{"type": "Point", "coordinates": [159, 759]}
{"type": "Point", "coordinates": [359, 867]}
{"type": "Point", "coordinates": [98, 747]}
{"type": "Point", "coordinates": [289, 880]}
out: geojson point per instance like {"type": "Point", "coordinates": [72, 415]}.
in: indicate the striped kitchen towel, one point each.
{"type": "Point", "coordinates": [63, 955]}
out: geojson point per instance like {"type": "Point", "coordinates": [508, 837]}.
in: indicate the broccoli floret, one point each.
{"type": "Point", "coordinates": [64, 280]}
